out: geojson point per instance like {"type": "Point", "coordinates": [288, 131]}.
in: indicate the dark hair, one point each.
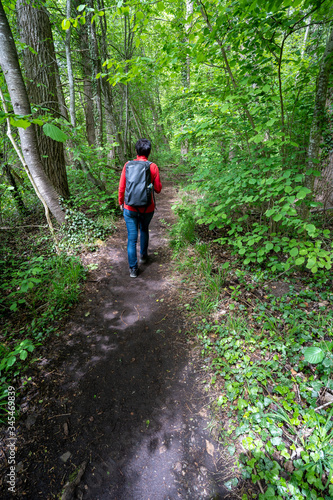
{"type": "Point", "coordinates": [143, 147]}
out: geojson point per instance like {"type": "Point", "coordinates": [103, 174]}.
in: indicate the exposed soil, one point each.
{"type": "Point", "coordinates": [117, 397]}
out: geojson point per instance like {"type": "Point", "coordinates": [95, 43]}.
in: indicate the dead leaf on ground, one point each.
{"type": "Point", "coordinates": [209, 448]}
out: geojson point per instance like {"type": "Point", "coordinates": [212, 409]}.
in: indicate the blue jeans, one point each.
{"type": "Point", "coordinates": [134, 220]}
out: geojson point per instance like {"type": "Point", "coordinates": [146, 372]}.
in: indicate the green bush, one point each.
{"type": "Point", "coordinates": [183, 232]}
{"type": "Point", "coordinates": [42, 289]}
{"type": "Point", "coordinates": [262, 208]}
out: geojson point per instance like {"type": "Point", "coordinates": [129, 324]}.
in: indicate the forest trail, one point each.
{"type": "Point", "coordinates": [118, 396]}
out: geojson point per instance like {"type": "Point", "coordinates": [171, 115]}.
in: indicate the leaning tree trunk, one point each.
{"type": "Point", "coordinates": [40, 70]}
{"type": "Point", "coordinates": [318, 119]}
{"type": "Point", "coordinates": [21, 106]}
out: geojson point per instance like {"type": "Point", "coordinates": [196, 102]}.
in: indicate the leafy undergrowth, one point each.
{"type": "Point", "coordinates": [266, 345]}
{"type": "Point", "coordinates": [35, 294]}
{"type": "Point", "coordinates": [38, 287]}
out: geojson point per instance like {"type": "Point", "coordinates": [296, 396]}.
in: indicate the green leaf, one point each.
{"type": "Point", "coordinates": [302, 193]}
{"type": "Point", "coordinates": [299, 261]}
{"type": "Point", "coordinates": [314, 355]}
{"type": "Point", "coordinates": [270, 493]}
{"type": "Point", "coordinates": [23, 355]}
{"type": "Point", "coordinates": [66, 24]}
{"type": "Point", "coordinates": [277, 217]}
{"type": "Point", "coordinates": [81, 7]}
{"type": "Point", "coordinates": [140, 15]}
{"type": "Point", "coordinates": [19, 122]}
{"type": "Point", "coordinates": [311, 263]}
{"type": "Point", "coordinates": [241, 404]}
{"type": "Point", "coordinates": [285, 454]}
{"type": "Point", "coordinates": [231, 450]}
{"type": "Point", "coordinates": [311, 229]}
{"type": "Point", "coordinates": [293, 252]}
{"type": "Point", "coordinates": [11, 361]}
{"type": "Point", "coordinates": [37, 121]}
{"type": "Point", "coordinates": [54, 132]}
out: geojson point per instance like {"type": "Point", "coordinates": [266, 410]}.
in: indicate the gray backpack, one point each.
{"type": "Point", "coordinates": [138, 183]}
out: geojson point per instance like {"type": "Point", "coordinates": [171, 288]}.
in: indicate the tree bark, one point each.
{"type": "Point", "coordinates": [15, 192]}
{"type": "Point", "coordinates": [110, 120]}
{"type": "Point", "coordinates": [40, 69]}
{"type": "Point", "coordinates": [87, 85]}
{"type": "Point", "coordinates": [96, 63]}
{"type": "Point", "coordinates": [21, 106]}
{"type": "Point", "coordinates": [70, 68]}
{"type": "Point", "coordinates": [61, 98]}
{"type": "Point", "coordinates": [318, 119]}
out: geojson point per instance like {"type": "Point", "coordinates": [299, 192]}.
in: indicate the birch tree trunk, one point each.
{"type": "Point", "coordinates": [40, 69]}
{"type": "Point", "coordinates": [21, 106]}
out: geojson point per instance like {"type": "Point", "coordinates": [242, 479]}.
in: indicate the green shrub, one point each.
{"type": "Point", "coordinates": [262, 207]}
{"type": "Point", "coordinates": [183, 232]}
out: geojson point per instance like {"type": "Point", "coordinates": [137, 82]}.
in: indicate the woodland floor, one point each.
{"type": "Point", "coordinates": [116, 398]}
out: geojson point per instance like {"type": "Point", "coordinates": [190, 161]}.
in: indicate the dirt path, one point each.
{"type": "Point", "coordinates": [118, 396]}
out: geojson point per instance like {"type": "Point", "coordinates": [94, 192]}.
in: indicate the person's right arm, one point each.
{"type": "Point", "coordinates": [122, 187]}
{"type": "Point", "coordinates": [156, 178]}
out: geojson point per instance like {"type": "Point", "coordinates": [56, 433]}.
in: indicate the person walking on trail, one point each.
{"type": "Point", "coordinates": [139, 180]}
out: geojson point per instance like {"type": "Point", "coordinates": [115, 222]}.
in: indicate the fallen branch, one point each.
{"type": "Point", "coordinates": [323, 406]}
{"type": "Point", "coordinates": [320, 209]}
{"type": "Point", "coordinates": [7, 228]}
{"type": "Point", "coordinates": [69, 489]}
{"type": "Point", "coordinates": [61, 414]}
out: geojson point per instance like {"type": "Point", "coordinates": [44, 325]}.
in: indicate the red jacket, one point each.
{"type": "Point", "coordinates": [155, 179]}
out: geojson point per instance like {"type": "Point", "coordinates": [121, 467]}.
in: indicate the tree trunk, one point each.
{"type": "Point", "coordinates": [318, 119]}
{"type": "Point", "coordinates": [61, 98]}
{"type": "Point", "coordinates": [21, 106]}
{"type": "Point", "coordinates": [184, 147]}
{"type": "Point", "coordinates": [40, 69]}
{"type": "Point", "coordinates": [70, 68]}
{"type": "Point", "coordinates": [15, 192]}
{"type": "Point", "coordinates": [159, 127]}
{"type": "Point", "coordinates": [87, 85]}
{"type": "Point", "coordinates": [97, 68]}
{"type": "Point", "coordinates": [110, 121]}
